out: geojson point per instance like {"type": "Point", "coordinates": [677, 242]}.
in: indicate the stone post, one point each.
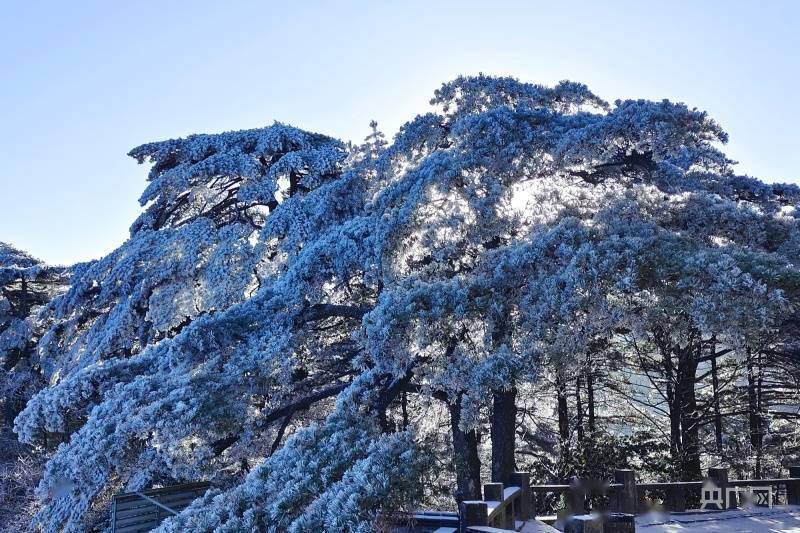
{"type": "Point", "coordinates": [793, 487]}
{"type": "Point", "coordinates": [619, 523]}
{"type": "Point", "coordinates": [676, 499]}
{"type": "Point", "coordinates": [523, 481]}
{"type": "Point", "coordinates": [494, 492]}
{"type": "Point", "coordinates": [583, 523]}
{"type": "Point", "coordinates": [719, 476]}
{"type": "Point", "coordinates": [626, 495]}
{"type": "Point", "coordinates": [575, 497]}
{"type": "Point", "coordinates": [472, 513]}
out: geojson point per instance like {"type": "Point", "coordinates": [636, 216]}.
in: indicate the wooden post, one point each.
{"type": "Point", "coordinates": [793, 487]}
{"type": "Point", "coordinates": [523, 481]}
{"type": "Point", "coordinates": [719, 476]}
{"type": "Point", "coordinates": [626, 495]}
{"type": "Point", "coordinates": [473, 513]}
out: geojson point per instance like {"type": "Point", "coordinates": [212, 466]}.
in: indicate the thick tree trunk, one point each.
{"type": "Point", "coordinates": [689, 418]}
{"type": "Point", "coordinates": [674, 406]}
{"type": "Point", "coordinates": [504, 413]}
{"type": "Point", "coordinates": [563, 413]}
{"type": "Point", "coordinates": [590, 403]}
{"type": "Point", "coordinates": [504, 417]}
{"type": "Point", "coordinates": [755, 422]}
{"type": "Point", "coordinates": [717, 414]}
{"type": "Point", "coordinates": [404, 407]}
{"type": "Point", "coordinates": [563, 426]}
{"type": "Point", "coordinates": [578, 410]}
{"type": "Point", "coordinates": [761, 421]}
{"type": "Point", "coordinates": [465, 457]}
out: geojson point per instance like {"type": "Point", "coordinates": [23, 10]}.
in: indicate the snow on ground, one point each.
{"type": "Point", "coordinates": [783, 519]}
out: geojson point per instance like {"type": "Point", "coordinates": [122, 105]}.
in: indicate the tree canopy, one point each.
{"type": "Point", "coordinates": [288, 307]}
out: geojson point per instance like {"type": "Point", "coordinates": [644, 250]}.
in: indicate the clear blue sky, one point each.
{"type": "Point", "coordinates": [81, 83]}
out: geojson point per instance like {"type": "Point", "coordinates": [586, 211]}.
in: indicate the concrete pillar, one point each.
{"type": "Point", "coordinates": [626, 495]}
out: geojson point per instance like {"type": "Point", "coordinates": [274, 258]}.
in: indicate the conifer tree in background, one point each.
{"type": "Point", "coordinates": [317, 328]}
{"type": "Point", "coordinates": [26, 284]}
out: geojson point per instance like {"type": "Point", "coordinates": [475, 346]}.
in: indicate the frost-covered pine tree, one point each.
{"type": "Point", "coordinates": [505, 230]}
{"type": "Point", "coordinates": [26, 284]}
{"type": "Point", "coordinates": [194, 252]}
